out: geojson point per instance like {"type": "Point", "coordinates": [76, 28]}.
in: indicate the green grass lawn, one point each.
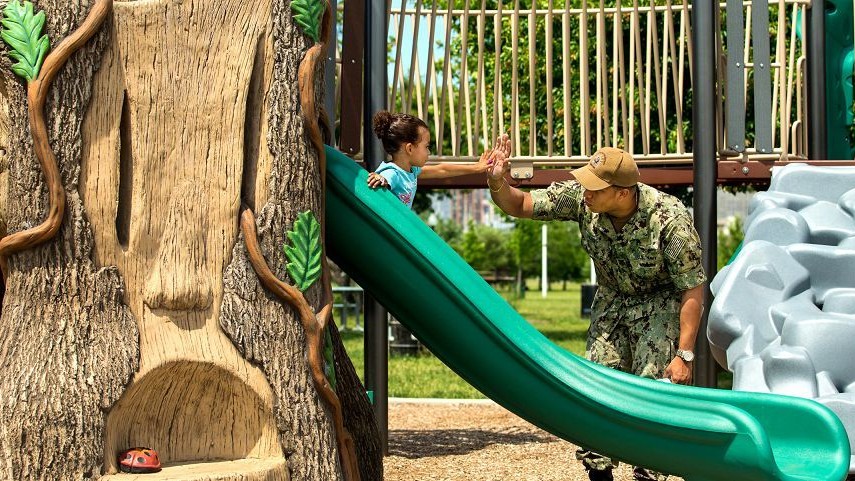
{"type": "Point", "coordinates": [557, 317]}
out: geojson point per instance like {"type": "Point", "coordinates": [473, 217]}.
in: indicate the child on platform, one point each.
{"type": "Point", "coordinates": [406, 138]}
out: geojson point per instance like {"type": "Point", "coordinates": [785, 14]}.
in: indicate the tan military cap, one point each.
{"type": "Point", "coordinates": [608, 167]}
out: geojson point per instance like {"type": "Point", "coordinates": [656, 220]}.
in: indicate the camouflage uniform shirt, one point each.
{"type": "Point", "coordinates": [642, 270]}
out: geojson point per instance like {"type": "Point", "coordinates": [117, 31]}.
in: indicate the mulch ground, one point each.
{"type": "Point", "coordinates": [476, 441]}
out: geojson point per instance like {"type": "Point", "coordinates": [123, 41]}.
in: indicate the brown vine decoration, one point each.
{"type": "Point", "coordinates": [313, 324]}
{"type": "Point", "coordinates": [312, 117]}
{"type": "Point", "coordinates": [37, 91]}
{"type": "Point", "coordinates": [314, 329]}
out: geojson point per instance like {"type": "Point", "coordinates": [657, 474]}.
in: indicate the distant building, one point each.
{"type": "Point", "coordinates": [731, 205]}
{"type": "Point", "coordinates": [465, 206]}
{"type": "Point", "coordinates": [476, 206]}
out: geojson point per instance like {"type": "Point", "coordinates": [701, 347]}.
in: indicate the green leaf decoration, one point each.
{"type": "Point", "coordinates": [307, 14]}
{"type": "Point", "coordinates": [329, 362]}
{"type": "Point", "coordinates": [304, 253]}
{"type": "Point", "coordinates": [21, 30]}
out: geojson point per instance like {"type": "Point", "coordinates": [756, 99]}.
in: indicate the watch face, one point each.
{"type": "Point", "coordinates": [687, 356]}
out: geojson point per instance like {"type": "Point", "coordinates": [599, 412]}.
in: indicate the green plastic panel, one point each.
{"type": "Point", "coordinates": [839, 57]}
{"type": "Point", "coordinates": [700, 434]}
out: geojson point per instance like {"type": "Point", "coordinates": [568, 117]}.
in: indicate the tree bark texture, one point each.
{"type": "Point", "coordinates": [68, 343]}
{"type": "Point", "coordinates": [142, 322]}
{"type": "Point", "coordinates": [358, 415]}
{"type": "Point", "coordinates": [4, 173]}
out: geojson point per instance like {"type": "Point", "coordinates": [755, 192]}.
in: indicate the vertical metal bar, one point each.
{"type": "Point", "coordinates": [466, 126]}
{"type": "Point", "coordinates": [600, 78]}
{"type": "Point", "coordinates": [704, 16]}
{"type": "Point", "coordinates": [681, 63]}
{"type": "Point", "coordinates": [734, 110]}
{"type": "Point", "coordinates": [544, 264]}
{"type": "Point", "coordinates": [498, 95]}
{"type": "Point", "coordinates": [532, 83]}
{"type": "Point", "coordinates": [648, 84]}
{"type": "Point", "coordinates": [762, 78]}
{"type": "Point", "coordinates": [565, 75]}
{"type": "Point", "coordinates": [788, 139]}
{"type": "Point", "coordinates": [376, 343]}
{"type": "Point", "coordinates": [634, 27]}
{"type": "Point", "coordinates": [660, 65]}
{"type": "Point", "coordinates": [550, 130]}
{"type": "Point", "coordinates": [430, 73]}
{"type": "Point", "coordinates": [584, 85]}
{"type": "Point", "coordinates": [445, 97]}
{"type": "Point", "coordinates": [480, 86]}
{"type": "Point", "coordinates": [643, 88]}
{"type": "Point", "coordinates": [417, 20]}
{"type": "Point", "coordinates": [330, 72]}
{"type": "Point", "coordinates": [667, 57]}
{"type": "Point", "coordinates": [515, 80]}
{"type": "Point", "coordinates": [622, 112]}
{"type": "Point", "coordinates": [687, 16]}
{"type": "Point", "coordinates": [746, 53]}
{"type": "Point", "coordinates": [352, 56]}
{"type": "Point", "coordinates": [397, 72]}
{"type": "Point", "coordinates": [676, 74]}
{"type": "Point", "coordinates": [719, 90]}
{"type": "Point", "coordinates": [817, 141]}
{"type": "Point", "coordinates": [778, 80]}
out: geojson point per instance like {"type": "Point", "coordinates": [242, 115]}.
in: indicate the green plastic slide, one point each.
{"type": "Point", "coordinates": [700, 434]}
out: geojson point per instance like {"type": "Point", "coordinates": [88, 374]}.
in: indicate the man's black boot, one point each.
{"type": "Point", "coordinates": [600, 475]}
{"type": "Point", "coordinates": [641, 474]}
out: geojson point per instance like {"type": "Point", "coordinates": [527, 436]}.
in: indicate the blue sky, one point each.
{"type": "Point", "coordinates": [423, 40]}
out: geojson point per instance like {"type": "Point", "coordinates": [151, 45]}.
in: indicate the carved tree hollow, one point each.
{"type": "Point", "coordinates": [161, 180]}
{"type": "Point", "coordinates": [196, 412]}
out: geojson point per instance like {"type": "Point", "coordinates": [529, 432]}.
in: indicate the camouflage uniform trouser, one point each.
{"type": "Point", "coordinates": [644, 349]}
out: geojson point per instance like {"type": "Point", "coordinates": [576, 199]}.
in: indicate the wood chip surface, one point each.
{"type": "Point", "coordinates": [476, 441]}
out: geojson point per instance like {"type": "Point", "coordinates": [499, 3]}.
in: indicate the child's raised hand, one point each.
{"type": "Point", "coordinates": [376, 180]}
{"type": "Point", "coordinates": [485, 163]}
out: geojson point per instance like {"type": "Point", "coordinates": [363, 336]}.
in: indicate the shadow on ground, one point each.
{"type": "Point", "coordinates": [443, 442]}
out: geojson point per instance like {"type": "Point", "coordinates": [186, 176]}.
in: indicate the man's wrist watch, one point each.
{"type": "Point", "coordinates": [687, 356]}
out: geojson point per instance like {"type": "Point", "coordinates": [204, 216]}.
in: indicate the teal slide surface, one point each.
{"type": "Point", "coordinates": [700, 434]}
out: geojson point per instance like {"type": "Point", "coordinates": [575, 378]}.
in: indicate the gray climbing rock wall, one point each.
{"type": "Point", "coordinates": [783, 318]}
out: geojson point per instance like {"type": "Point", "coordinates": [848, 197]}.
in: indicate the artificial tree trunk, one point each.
{"type": "Point", "coordinates": [143, 320]}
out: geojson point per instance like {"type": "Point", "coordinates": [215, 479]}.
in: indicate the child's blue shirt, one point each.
{"type": "Point", "coordinates": [402, 183]}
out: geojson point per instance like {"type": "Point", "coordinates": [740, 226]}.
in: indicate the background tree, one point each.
{"type": "Point", "coordinates": [525, 250]}
{"type": "Point", "coordinates": [567, 260]}
{"type": "Point", "coordinates": [450, 232]}
{"type": "Point", "coordinates": [729, 239]}
{"type": "Point", "coordinates": [487, 249]}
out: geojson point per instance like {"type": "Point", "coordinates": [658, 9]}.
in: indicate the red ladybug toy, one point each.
{"type": "Point", "coordinates": [139, 460]}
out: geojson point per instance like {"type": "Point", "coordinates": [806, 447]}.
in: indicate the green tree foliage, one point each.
{"type": "Point", "coordinates": [486, 249]}
{"type": "Point", "coordinates": [517, 251]}
{"type": "Point", "coordinates": [525, 249]}
{"type": "Point", "coordinates": [472, 248]}
{"type": "Point", "coordinates": [729, 239]}
{"type": "Point", "coordinates": [566, 259]}
{"type": "Point", "coordinates": [450, 232]}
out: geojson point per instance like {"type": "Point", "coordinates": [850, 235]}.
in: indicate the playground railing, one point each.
{"type": "Point", "coordinates": [571, 75]}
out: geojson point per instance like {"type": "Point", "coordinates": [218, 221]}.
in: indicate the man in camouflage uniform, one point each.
{"type": "Point", "coordinates": [647, 257]}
